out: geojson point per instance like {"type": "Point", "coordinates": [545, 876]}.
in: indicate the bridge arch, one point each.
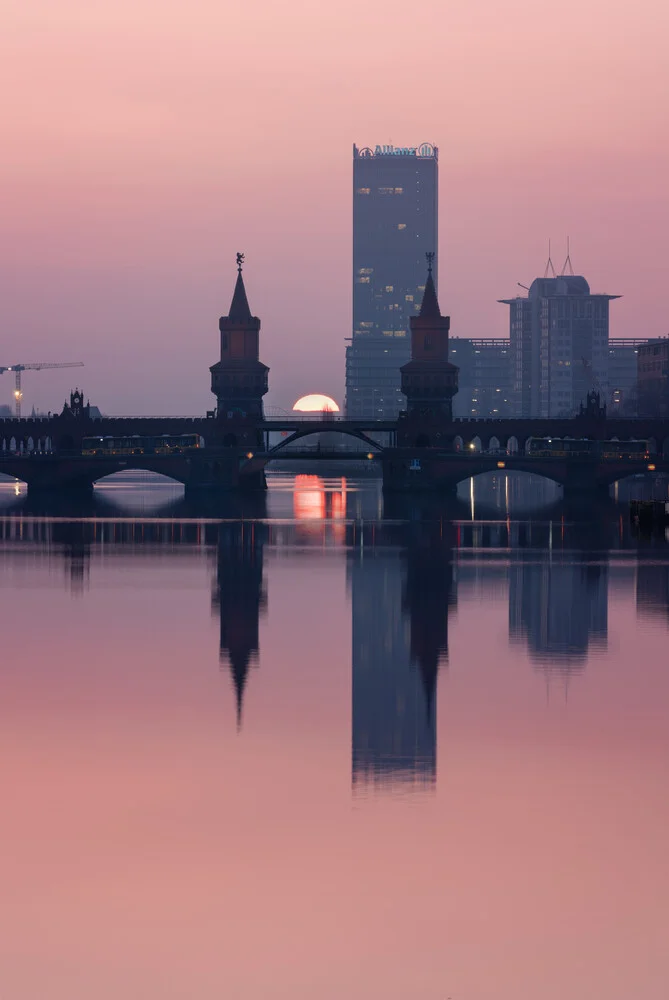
{"type": "Point", "coordinates": [297, 435]}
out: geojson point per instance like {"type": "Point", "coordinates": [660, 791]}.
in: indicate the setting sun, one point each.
{"type": "Point", "coordinates": [315, 403]}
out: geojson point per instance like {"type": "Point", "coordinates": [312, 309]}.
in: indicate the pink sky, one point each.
{"type": "Point", "coordinates": [145, 142]}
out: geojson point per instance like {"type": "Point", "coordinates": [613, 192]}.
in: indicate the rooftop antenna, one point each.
{"type": "Point", "coordinates": [549, 263]}
{"type": "Point", "coordinates": [429, 257]}
{"type": "Point", "coordinates": [567, 267]}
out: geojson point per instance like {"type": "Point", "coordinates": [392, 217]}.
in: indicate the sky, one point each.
{"type": "Point", "coordinates": [145, 142]}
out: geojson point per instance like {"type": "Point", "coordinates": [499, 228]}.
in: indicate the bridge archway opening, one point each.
{"type": "Point", "coordinates": [494, 445]}
{"type": "Point", "coordinates": [512, 445]}
{"type": "Point", "coordinates": [353, 444]}
{"type": "Point", "coordinates": [458, 443]}
{"type": "Point", "coordinates": [474, 445]}
{"type": "Point", "coordinates": [508, 491]}
{"type": "Point", "coordinates": [136, 477]}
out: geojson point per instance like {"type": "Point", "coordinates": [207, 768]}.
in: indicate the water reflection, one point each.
{"type": "Point", "coordinates": [559, 606]}
{"type": "Point", "coordinates": [400, 599]}
{"type": "Point", "coordinates": [404, 576]}
{"type": "Point", "coordinates": [239, 598]}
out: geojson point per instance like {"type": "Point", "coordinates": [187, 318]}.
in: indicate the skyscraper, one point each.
{"type": "Point", "coordinates": [559, 338]}
{"type": "Point", "coordinates": [394, 226]}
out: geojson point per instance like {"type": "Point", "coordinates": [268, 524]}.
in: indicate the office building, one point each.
{"type": "Point", "coordinates": [621, 400]}
{"type": "Point", "coordinates": [653, 378]}
{"type": "Point", "coordinates": [559, 336]}
{"type": "Point", "coordinates": [394, 225]}
{"type": "Point", "coordinates": [485, 377]}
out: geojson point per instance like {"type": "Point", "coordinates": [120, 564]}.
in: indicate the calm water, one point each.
{"type": "Point", "coordinates": [309, 747]}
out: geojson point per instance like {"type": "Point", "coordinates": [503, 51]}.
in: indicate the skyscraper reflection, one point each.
{"type": "Point", "coordinates": [558, 605]}
{"type": "Point", "coordinates": [400, 600]}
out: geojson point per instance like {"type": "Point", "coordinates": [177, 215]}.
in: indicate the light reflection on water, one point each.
{"type": "Point", "coordinates": [362, 743]}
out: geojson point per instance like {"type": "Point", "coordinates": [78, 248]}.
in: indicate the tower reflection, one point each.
{"type": "Point", "coordinates": [400, 600]}
{"type": "Point", "coordinates": [239, 598]}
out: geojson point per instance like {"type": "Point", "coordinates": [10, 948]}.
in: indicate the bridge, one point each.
{"type": "Point", "coordinates": [424, 449]}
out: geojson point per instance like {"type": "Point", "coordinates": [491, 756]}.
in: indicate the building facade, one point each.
{"type": "Point", "coordinates": [622, 396]}
{"type": "Point", "coordinates": [559, 336]}
{"type": "Point", "coordinates": [653, 378]}
{"type": "Point", "coordinates": [395, 204]}
{"type": "Point", "coordinates": [485, 376]}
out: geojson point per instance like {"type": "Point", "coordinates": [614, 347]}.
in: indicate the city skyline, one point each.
{"type": "Point", "coordinates": [138, 162]}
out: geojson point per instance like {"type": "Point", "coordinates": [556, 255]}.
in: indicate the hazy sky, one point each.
{"type": "Point", "coordinates": [144, 142]}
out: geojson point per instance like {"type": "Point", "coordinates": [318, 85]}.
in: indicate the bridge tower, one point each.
{"type": "Point", "coordinates": [239, 379]}
{"type": "Point", "coordinates": [429, 380]}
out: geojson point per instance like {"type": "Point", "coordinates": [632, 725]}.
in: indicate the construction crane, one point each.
{"type": "Point", "coordinates": [36, 367]}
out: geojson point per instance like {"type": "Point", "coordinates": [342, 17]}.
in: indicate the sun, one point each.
{"type": "Point", "coordinates": [316, 402]}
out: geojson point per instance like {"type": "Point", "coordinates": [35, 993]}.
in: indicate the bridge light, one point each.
{"type": "Point", "coordinates": [501, 465]}
{"type": "Point", "coordinates": [472, 446]}
{"type": "Point", "coordinates": [249, 454]}
{"type": "Point", "coordinates": [651, 468]}
{"type": "Point", "coordinates": [370, 456]}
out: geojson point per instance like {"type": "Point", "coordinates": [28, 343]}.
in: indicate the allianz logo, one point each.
{"type": "Point", "coordinates": [425, 150]}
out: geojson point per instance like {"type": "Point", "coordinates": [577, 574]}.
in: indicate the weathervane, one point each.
{"type": "Point", "coordinates": [240, 261]}
{"type": "Point", "coordinates": [429, 257]}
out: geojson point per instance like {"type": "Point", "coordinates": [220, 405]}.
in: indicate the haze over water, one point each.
{"type": "Point", "coordinates": [315, 746]}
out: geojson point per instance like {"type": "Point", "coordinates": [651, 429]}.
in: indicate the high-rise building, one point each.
{"type": "Point", "coordinates": [394, 226]}
{"type": "Point", "coordinates": [484, 380]}
{"type": "Point", "coordinates": [559, 338]}
{"type": "Point", "coordinates": [622, 399]}
{"type": "Point", "coordinates": [653, 378]}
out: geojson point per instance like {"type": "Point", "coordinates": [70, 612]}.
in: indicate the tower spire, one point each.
{"type": "Point", "coordinates": [239, 307]}
{"type": "Point", "coordinates": [429, 308]}
{"type": "Point", "coordinates": [549, 263]}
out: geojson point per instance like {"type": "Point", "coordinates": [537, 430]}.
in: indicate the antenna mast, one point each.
{"type": "Point", "coordinates": [549, 264]}
{"type": "Point", "coordinates": [567, 267]}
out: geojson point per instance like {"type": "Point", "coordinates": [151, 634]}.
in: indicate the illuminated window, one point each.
{"type": "Point", "coordinates": [400, 333]}
{"type": "Point", "coordinates": [388, 333]}
{"type": "Point", "coordinates": [363, 190]}
{"type": "Point", "coordinates": [386, 190]}
{"type": "Point", "coordinates": [401, 225]}
{"type": "Point", "coordinates": [390, 288]}
{"type": "Point", "coordinates": [365, 270]}
{"type": "Point", "coordinates": [367, 326]}
{"type": "Point", "coordinates": [408, 298]}
{"type": "Point", "coordinates": [363, 281]}
{"type": "Point", "coordinates": [399, 190]}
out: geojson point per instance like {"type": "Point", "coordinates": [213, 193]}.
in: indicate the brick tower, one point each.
{"type": "Point", "coordinates": [239, 379]}
{"type": "Point", "coordinates": [429, 380]}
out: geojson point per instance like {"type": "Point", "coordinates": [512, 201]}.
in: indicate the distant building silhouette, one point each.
{"type": "Point", "coordinates": [239, 380]}
{"type": "Point", "coordinates": [653, 378]}
{"type": "Point", "coordinates": [559, 338]}
{"type": "Point", "coordinates": [395, 194]}
{"type": "Point", "coordinates": [485, 376]}
{"type": "Point", "coordinates": [429, 379]}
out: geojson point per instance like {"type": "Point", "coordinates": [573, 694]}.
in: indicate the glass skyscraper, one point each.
{"type": "Point", "coordinates": [394, 225]}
